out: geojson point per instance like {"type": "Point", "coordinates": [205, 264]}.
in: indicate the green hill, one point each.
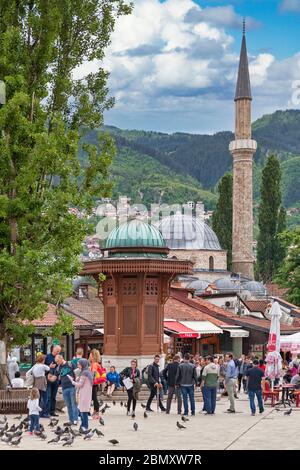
{"type": "Point", "coordinates": [174, 168]}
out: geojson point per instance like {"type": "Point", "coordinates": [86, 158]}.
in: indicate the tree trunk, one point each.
{"type": "Point", "coordinates": [4, 379]}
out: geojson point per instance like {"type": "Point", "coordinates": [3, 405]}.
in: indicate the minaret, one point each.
{"type": "Point", "coordinates": [242, 150]}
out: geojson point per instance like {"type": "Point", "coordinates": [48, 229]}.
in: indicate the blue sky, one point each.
{"type": "Point", "coordinates": [173, 63]}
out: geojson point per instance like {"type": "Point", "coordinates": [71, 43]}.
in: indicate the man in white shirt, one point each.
{"type": "Point", "coordinates": [17, 382]}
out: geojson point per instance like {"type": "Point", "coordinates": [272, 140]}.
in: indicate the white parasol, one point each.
{"type": "Point", "coordinates": [274, 362]}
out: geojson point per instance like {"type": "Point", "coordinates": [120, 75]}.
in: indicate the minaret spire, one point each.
{"type": "Point", "coordinates": [243, 86]}
{"type": "Point", "coordinates": [242, 150]}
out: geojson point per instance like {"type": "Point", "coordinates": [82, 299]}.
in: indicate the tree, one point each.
{"type": "Point", "coordinates": [281, 228]}
{"type": "Point", "coordinates": [46, 114]}
{"type": "Point", "coordinates": [271, 221]}
{"type": "Point", "coordinates": [222, 217]}
{"type": "Point", "coordinates": [289, 273]}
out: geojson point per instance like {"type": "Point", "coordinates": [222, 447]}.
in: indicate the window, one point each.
{"type": "Point", "coordinates": [211, 263]}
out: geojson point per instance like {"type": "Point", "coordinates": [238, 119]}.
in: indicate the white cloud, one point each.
{"type": "Point", "coordinates": [171, 73]}
{"type": "Point", "coordinates": [290, 6]}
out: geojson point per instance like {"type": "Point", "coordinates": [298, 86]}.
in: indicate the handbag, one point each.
{"type": "Point", "coordinates": [52, 378]}
{"type": "Point", "coordinates": [29, 382]}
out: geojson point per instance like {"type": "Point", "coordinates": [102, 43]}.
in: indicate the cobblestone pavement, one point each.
{"type": "Point", "coordinates": [271, 430]}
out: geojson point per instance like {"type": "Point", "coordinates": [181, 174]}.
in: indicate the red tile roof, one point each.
{"type": "Point", "coordinates": [256, 305]}
{"type": "Point", "coordinates": [230, 318]}
{"type": "Point", "coordinates": [275, 290]}
{"type": "Point", "coordinates": [183, 309]}
{"type": "Point", "coordinates": [91, 309]}
{"type": "Point", "coordinates": [50, 318]}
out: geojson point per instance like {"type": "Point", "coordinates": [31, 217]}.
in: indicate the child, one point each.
{"type": "Point", "coordinates": [113, 381]}
{"type": "Point", "coordinates": [34, 410]}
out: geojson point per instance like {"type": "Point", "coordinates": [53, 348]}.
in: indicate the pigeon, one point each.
{"type": "Point", "coordinates": [184, 419]}
{"type": "Point", "coordinates": [16, 442]}
{"type": "Point", "coordinates": [277, 409]}
{"type": "Point", "coordinates": [145, 414]}
{"type": "Point", "coordinates": [114, 402]}
{"type": "Point", "coordinates": [3, 421]}
{"type": "Point", "coordinates": [2, 432]}
{"type": "Point", "coordinates": [100, 403]}
{"type": "Point", "coordinates": [125, 404]}
{"type": "Point", "coordinates": [66, 438]}
{"type": "Point", "coordinates": [18, 417]}
{"type": "Point", "coordinates": [17, 434]}
{"type": "Point", "coordinates": [69, 442]}
{"type": "Point", "coordinates": [102, 411]}
{"type": "Point", "coordinates": [74, 432]}
{"type": "Point", "coordinates": [121, 403]}
{"type": "Point", "coordinates": [98, 432]}
{"type": "Point", "coordinates": [6, 439]}
{"type": "Point", "coordinates": [19, 427]}
{"type": "Point", "coordinates": [59, 431]}
{"type": "Point", "coordinates": [42, 429]}
{"type": "Point", "coordinates": [135, 426]}
{"type": "Point", "coordinates": [287, 413]}
{"type": "Point", "coordinates": [12, 428]}
{"type": "Point", "coordinates": [54, 441]}
{"type": "Point", "coordinates": [142, 405]}
{"type": "Point", "coordinates": [42, 436]}
{"type": "Point", "coordinates": [89, 436]}
{"type": "Point", "coordinates": [53, 423]}
{"type": "Point", "coordinates": [114, 442]}
{"type": "Point", "coordinates": [180, 426]}
{"type": "Point", "coordinates": [84, 431]}
{"type": "Point", "coordinates": [133, 415]}
{"type": "Point", "coordinates": [101, 421]}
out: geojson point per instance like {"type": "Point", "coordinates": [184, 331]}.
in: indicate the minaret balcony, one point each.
{"type": "Point", "coordinates": [243, 144]}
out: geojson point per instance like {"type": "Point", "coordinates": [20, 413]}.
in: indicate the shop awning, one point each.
{"type": "Point", "coordinates": [180, 329]}
{"type": "Point", "coordinates": [237, 332]}
{"type": "Point", "coordinates": [203, 327]}
{"type": "Point", "coordinates": [100, 330]}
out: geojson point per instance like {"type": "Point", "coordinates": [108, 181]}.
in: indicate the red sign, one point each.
{"type": "Point", "coordinates": [189, 335]}
{"type": "Point", "coordinates": [272, 342]}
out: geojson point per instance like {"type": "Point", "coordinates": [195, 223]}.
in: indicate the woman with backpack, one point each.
{"type": "Point", "coordinates": [132, 376]}
{"type": "Point", "coordinates": [99, 378]}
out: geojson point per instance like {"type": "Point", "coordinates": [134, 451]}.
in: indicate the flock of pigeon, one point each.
{"type": "Point", "coordinates": [66, 435]}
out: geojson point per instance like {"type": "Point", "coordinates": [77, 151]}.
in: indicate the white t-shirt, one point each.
{"type": "Point", "coordinates": [33, 407]}
{"type": "Point", "coordinates": [17, 382]}
{"type": "Point", "coordinates": [38, 370]}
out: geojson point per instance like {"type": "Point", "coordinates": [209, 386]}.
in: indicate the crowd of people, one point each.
{"type": "Point", "coordinates": [82, 380]}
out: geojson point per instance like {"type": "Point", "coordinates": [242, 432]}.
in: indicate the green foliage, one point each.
{"type": "Point", "coordinates": [271, 220]}
{"type": "Point", "coordinates": [222, 217]}
{"type": "Point", "coordinates": [46, 114]}
{"type": "Point", "coordinates": [289, 273]}
{"type": "Point", "coordinates": [146, 181]}
{"type": "Point", "coordinates": [291, 181]}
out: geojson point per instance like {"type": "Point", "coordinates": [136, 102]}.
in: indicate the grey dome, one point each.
{"type": "Point", "coordinates": [82, 280]}
{"type": "Point", "coordinates": [199, 285]}
{"type": "Point", "coordinates": [186, 232]}
{"type": "Point", "coordinates": [226, 284]}
{"type": "Point", "coordinates": [255, 287]}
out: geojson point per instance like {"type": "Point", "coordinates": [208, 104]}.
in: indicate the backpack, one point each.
{"type": "Point", "coordinates": [145, 373]}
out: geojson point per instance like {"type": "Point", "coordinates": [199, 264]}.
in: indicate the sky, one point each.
{"type": "Point", "coordinates": [173, 63]}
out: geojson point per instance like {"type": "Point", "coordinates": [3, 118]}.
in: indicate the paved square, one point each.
{"type": "Point", "coordinates": [272, 430]}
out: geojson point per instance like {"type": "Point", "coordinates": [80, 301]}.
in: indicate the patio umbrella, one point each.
{"type": "Point", "coordinates": [273, 359]}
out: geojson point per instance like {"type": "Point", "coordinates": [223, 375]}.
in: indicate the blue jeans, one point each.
{"type": "Point", "coordinates": [188, 391]}
{"type": "Point", "coordinates": [34, 423]}
{"type": "Point", "coordinates": [52, 388]}
{"type": "Point", "coordinates": [69, 395]}
{"type": "Point", "coordinates": [44, 403]}
{"type": "Point", "coordinates": [84, 419]}
{"type": "Point", "coordinates": [251, 395]}
{"type": "Point", "coordinates": [210, 398]}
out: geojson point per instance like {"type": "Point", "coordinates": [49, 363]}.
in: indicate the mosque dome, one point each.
{"type": "Point", "coordinates": [255, 288]}
{"type": "Point", "coordinates": [134, 234]}
{"type": "Point", "coordinates": [187, 232]}
{"type": "Point", "coordinates": [199, 285]}
{"type": "Point", "coordinates": [224, 284]}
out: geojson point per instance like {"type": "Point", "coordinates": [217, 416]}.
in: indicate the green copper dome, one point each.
{"type": "Point", "coordinates": [134, 234]}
